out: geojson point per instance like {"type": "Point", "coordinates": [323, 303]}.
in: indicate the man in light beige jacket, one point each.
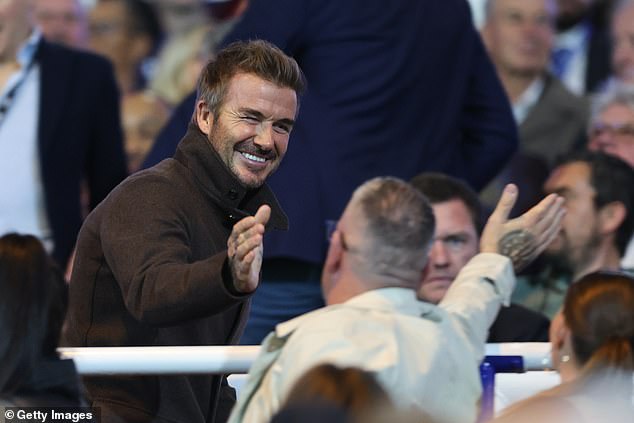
{"type": "Point", "coordinates": [421, 353]}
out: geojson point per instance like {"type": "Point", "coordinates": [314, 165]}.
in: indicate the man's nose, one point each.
{"type": "Point", "coordinates": [264, 137]}
{"type": "Point", "coordinates": [438, 255]}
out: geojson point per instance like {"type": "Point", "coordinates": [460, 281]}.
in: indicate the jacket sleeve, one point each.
{"type": "Point", "coordinates": [489, 130]}
{"type": "Point", "coordinates": [475, 296]}
{"type": "Point", "coordinates": [146, 244]}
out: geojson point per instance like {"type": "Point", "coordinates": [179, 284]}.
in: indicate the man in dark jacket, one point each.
{"type": "Point", "coordinates": [172, 256]}
{"type": "Point", "coordinates": [395, 88]}
{"type": "Point", "coordinates": [59, 128]}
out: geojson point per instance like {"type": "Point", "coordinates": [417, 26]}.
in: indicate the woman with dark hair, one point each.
{"type": "Point", "coordinates": [330, 393]}
{"type": "Point", "coordinates": [592, 341]}
{"type": "Point", "coordinates": [32, 310]}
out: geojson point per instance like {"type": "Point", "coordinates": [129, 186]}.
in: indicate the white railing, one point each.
{"type": "Point", "coordinates": [162, 360]}
{"type": "Point", "coordinates": [228, 359]}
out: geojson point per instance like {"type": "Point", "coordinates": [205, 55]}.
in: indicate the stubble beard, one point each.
{"type": "Point", "coordinates": [573, 259]}
{"type": "Point", "coordinates": [225, 147]}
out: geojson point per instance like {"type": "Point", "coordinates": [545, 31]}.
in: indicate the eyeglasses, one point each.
{"type": "Point", "coordinates": [616, 130]}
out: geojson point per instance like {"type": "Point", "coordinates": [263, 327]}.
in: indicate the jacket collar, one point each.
{"type": "Point", "coordinates": [196, 153]}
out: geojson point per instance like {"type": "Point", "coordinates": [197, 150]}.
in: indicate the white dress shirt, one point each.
{"type": "Point", "coordinates": [22, 207]}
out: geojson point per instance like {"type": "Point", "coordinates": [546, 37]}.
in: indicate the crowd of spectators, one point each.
{"type": "Point", "coordinates": [461, 102]}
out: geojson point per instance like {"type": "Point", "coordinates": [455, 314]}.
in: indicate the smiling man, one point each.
{"type": "Point", "coordinates": [172, 256]}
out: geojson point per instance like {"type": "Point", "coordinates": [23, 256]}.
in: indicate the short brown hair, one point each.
{"type": "Point", "coordinates": [351, 389]}
{"type": "Point", "coordinates": [257, 57]}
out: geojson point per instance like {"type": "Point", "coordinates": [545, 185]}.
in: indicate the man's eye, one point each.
{"type": "Point", "coordinates": [455, 241]}
{"type": "Point", "coordinates": [250, 119]}
{"type": "Point", "coordinates": [282, 129]}
{"type": "Point", "coordinates": [514, 17]}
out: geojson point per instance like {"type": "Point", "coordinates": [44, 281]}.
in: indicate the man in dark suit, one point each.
{"type": "Point", "coordinates": [552, 121]}
{"type": "Point", "coordinates": [394, 88]}
{"type": "Point", "coordinates": [458, 224]}
{"type": "Point", "coordinates": [59, 126]}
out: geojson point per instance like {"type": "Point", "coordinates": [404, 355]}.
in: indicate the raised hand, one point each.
{"type": "Point", "coordinates": [245, 248]}
{"type": "Point", "coordinates": [522, 239]}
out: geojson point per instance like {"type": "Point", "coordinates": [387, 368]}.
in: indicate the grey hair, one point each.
{"type": "Point", "coordinates": [400, 227]}
{"type": "Point", "coordinates": [615, 92]}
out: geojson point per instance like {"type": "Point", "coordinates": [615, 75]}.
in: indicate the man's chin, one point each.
{"type": "Point", "coordinates": [433, 293]}
{"type": "Point", "coordinates": [251, 180]}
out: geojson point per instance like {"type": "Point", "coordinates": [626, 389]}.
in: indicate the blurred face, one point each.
{"type": "Point", "coordinates": [613, 132]}
{"type": "Point", "coordinates": [253, 127]}
{"type": "Point", "coordinates": [61, 21]}
{"type": "Point", "coordinates": [455, 243]}
{"type": "Point", "coordinates": [579, 235]}
{"type": "Point", "coordinates": [15, 26]}
{"type": "Point", "coordinates": [623, 44]}
{"type": "Point", "coordinates": [108, 32]}
{"type": "Point", "coordinates": [142, 118]}
{"type": "Point", "coordinates": [519, 35]}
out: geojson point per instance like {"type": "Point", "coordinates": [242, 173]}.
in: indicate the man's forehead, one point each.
{"type": "Point", "coordinates": [617, 113]}
{"type": "Point", "coordinates": [245, 88]}
{"type": "Point", "coordinates": [569, 176]}
{"type": "Point", "coordinates": [453, 215]}
{"type": "Point", "coordinates": [528, 6]}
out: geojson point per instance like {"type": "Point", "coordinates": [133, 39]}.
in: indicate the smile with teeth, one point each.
{"type": "Point", "coordinates": [254, 158]}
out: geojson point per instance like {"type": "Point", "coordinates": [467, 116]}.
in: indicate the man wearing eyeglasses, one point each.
{"type": "Point", "coordinates": [459, 221]}
{"type": "Point", "coordinates": [519, 35]}
{"type": "Point", "coordinates": [612, 123]}
{"type": "Point", "coordinates": [421, 353]}
{"type": "Point", "coordinates": [612, 131]}
{"type": "Point", "coordinates": [598, 191]}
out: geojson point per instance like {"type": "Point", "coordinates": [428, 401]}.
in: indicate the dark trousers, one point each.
{"type": "Point", "coordinates": [288, 288]}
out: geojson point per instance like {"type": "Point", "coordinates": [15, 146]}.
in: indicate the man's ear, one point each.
{"type": "Point", "coordinates": [333, 258]}
{"type": "Point", "coordinates": [204, 118]}
{"type": "Point", "coordinates": [611, 216]}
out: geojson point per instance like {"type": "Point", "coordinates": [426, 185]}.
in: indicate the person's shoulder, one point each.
{"type": "Point", "coordinates": [559, 95]}
{"type": "Point", "coordinates": [164, 180]}
{"type": "Point", "coordinates": [541, 408]}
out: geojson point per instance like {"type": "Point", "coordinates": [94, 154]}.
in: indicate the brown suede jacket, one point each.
{"type": "Point", "coordinates": [151, 269]}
